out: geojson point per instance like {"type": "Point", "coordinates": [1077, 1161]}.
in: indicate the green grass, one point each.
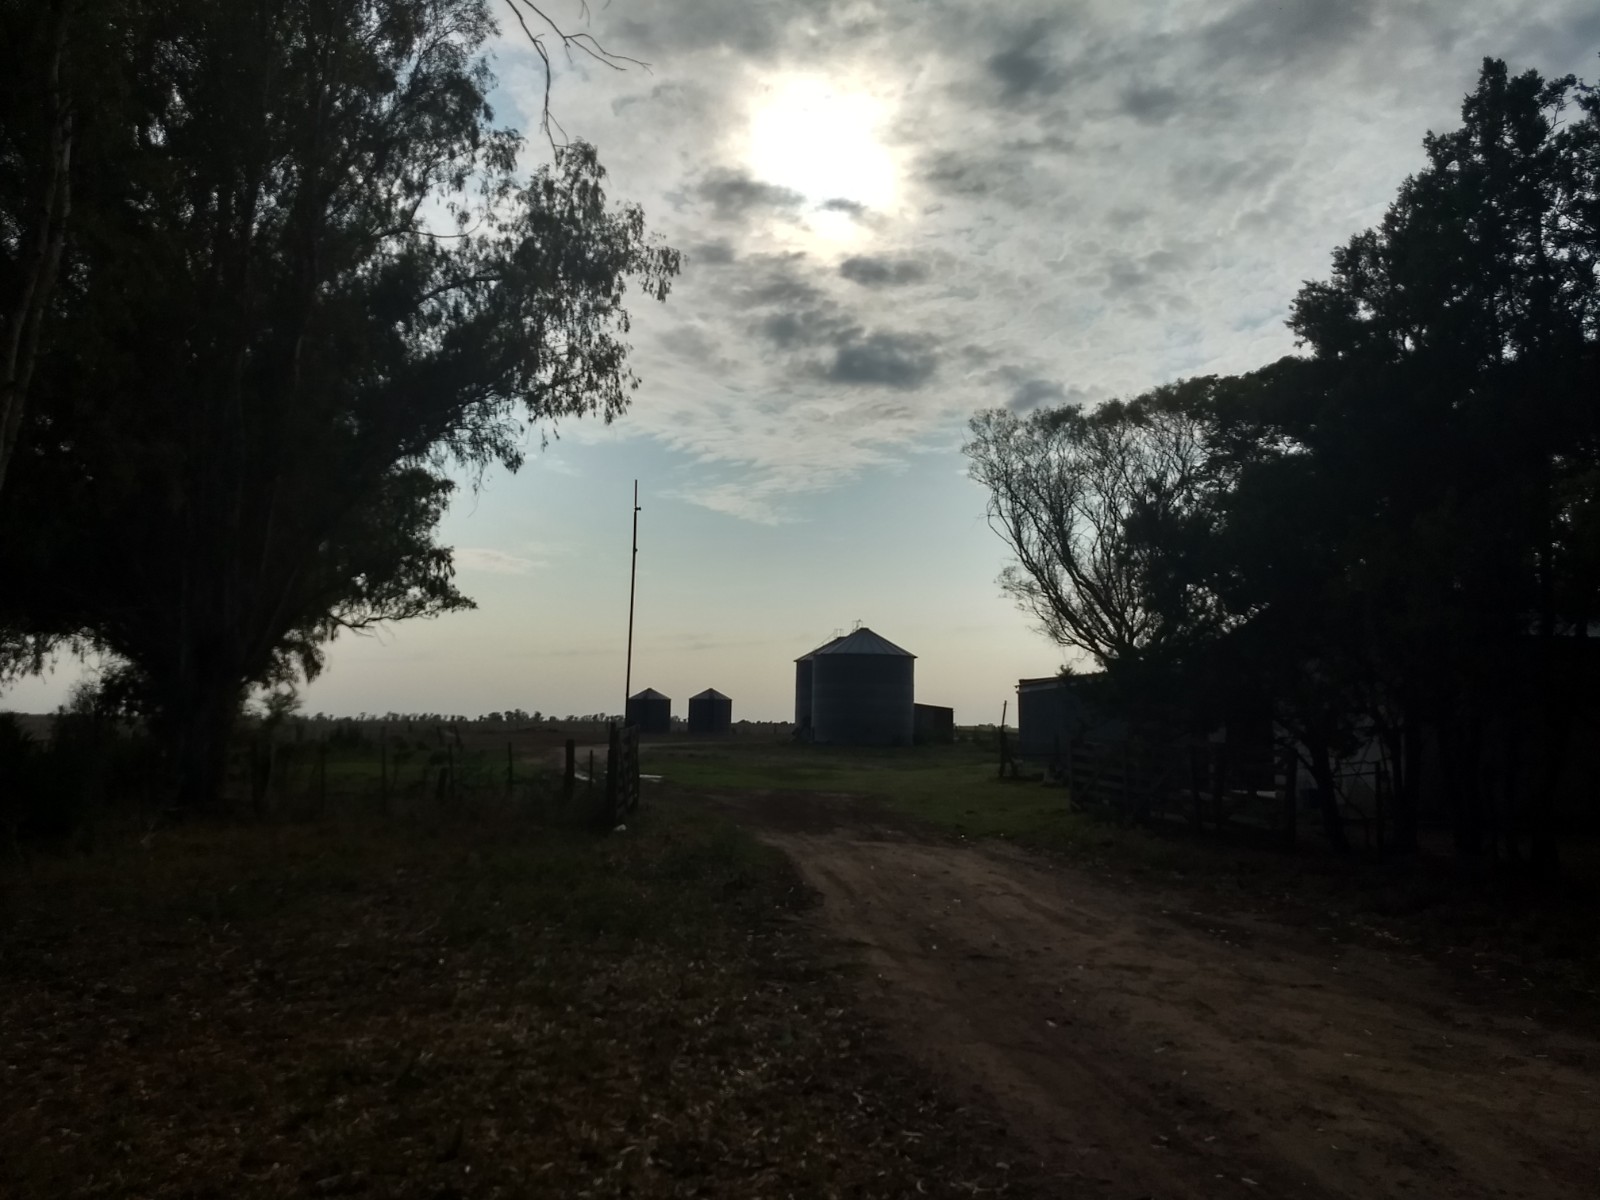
{"type": "Point", "coordinates": [954, 787]}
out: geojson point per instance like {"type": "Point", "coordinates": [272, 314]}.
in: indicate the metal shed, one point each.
{"type": "Point", "coordinates": [710, 712]}
{"type": "Point", "coordinates": [861, 691]}
{"type": "Point", "coordinates": [802, 687]}
{"type": "Point", "coordinates": [935, 724]}
{"type": "Point", "coordinates": [1056, 710]}
{"type": "Point", "coordinates": [650, 711]}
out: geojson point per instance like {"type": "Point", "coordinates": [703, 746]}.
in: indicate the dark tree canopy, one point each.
{"type": "Point", "coordinates": [304, 282]}
{"type": "Point", "coordinates": [1396, 534]}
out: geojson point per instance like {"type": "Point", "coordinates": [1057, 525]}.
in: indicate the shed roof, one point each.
{"type": "Point", "coordinates": [648, 694]}
{"type": "Point", "coordinates": [863, 641]}
{"type": "Point", "coordinates": [711, 694]}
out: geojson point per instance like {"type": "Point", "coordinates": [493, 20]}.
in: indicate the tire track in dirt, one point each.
{"type": "Point", "coordinates": [1147, 1049]}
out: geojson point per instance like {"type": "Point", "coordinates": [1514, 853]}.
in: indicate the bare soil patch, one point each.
{"type": "Point", "coordinates": [1146, 1045]}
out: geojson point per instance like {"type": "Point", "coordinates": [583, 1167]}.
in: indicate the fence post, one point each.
{"type": "Point", "coordinates": [1219, 782]}
{"type": "Point", "coordinates": [613, 770]}
{"type": "Point", "coordinates": [322, 778]}
{"type": "Point", "coordinates": [1196, 757]}
{"type": "Point", "coordinates": [1291, 815]}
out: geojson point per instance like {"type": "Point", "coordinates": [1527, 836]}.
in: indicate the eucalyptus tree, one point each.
{"type": "Point", "coordinates": [1093, 506]}
{"type": "Point", "coordinates": [312, 283]}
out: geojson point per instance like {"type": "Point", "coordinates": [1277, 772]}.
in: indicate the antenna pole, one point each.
{"type": "Point", "coordinates": [633, 577]}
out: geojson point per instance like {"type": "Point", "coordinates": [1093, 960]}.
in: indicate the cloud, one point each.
{"type": "Point", "coordinates": [1279, 33]}
{"type": "Point", "coordinates": [884, 360]}
{"type": "Point", "coordinates": [872, 271]}
{"type": "Point", "coordinates": [1024, 68]}
{"type": "Point", "coordinates": [1100, 196]}
{"type": "Point", "coordinates": [1152, 104]}
{"type": "Point", "coordinates": [1031, 393]}
{"type": "Point", "coordinates": [805, 327]}
{"type": "Point", "coordinates": [734, 195]}
{"type": "Point", "coordinates": [717, 253]}
{"type": "Point", "coordinates": [491, 562]}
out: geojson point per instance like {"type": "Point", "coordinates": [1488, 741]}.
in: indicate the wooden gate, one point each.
{"type": "Point", "coordinates": [622, 771]}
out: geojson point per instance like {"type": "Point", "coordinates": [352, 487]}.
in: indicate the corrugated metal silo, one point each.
{"type": "Point", "coordinates": [710, 712]}
{"type": "Point", "coordinates": [861, 692]}
{"type": "Point", "coordinates": [802, 687]}
{"type": "Point", "coordinates": [650, 711]}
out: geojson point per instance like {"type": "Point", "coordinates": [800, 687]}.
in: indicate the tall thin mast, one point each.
{"type": "Point", "coordinates": [633, 577]}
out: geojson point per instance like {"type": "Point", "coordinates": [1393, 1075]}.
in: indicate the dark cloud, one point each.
{"type": "Point", "coordinates": [1025, 69]}
{"type": "Point", "coordinates": [1031, 393]}
{"type": "Point", "coordinates": [777, 279]}
{"type": "Point", "coordinates": [1273, 34]}
{"type": "Point", "coordinates": [954, 173]}
{"type": "Point", "coordinates": [1051, 143]}
{"type": "Point", "coordinates": [752, 28]}
{"type": "Point", "coordinates": [733, 195]}
{"type": "Point", "coordinates": [839, 204]}
{"type": "Point", "coordinates": [884, 360]}
{"type": "Point", "coordinates": [872, 271]}
{"type": "Point", "coordinates": [799, 329]}
{"type": "Point", "coordinates": [1151, 105]}
{"type": "Point", "coordinates": [713, 254]}
{"type": "Point", "coordinates": [667, 95]}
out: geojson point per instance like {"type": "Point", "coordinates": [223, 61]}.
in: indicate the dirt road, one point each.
{"type": "Point", "coordinates": [1147, 1049]}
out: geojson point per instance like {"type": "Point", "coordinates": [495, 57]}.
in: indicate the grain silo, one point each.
{"type": "Point", "coordinates": [710, 712]}
{"type": "Point", "coordinates": [802, 688]}
{"type": "Point", "coordinates": [861, 692]}
{"type": "Point", "coordinates": [650, 711]}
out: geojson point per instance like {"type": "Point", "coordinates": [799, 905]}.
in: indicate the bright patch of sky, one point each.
{"type": "Point", "coordinates": [895, 213]}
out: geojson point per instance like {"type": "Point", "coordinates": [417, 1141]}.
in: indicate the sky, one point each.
{"type": "Point", "coordinates": [895, 213]}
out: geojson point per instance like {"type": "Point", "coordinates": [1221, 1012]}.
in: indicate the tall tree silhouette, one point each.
{"type": "Point", "coordinates": [314, 284]}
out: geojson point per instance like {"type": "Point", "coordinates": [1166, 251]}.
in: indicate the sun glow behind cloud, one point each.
{"type": "Point", "coordinates": [822, 140]}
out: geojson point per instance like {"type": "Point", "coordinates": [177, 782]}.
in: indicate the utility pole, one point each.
{"type": "Point", "coordinates": [633, 577]}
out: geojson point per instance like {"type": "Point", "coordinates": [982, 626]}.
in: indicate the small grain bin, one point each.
{"type": "Point", "coordinates": [802, 687]}
{"type": "Point", "coordinates": [650, 711]}
{"type": "Point", "coordinates": [861, 692]}
{"type": "Point", "coordinates": [710, 712]}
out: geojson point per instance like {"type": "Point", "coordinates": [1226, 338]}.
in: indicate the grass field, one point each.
{"type": "Point", "coordinates": [955, 787]}
{"type": "Point", "coordinates": [450, 1008]}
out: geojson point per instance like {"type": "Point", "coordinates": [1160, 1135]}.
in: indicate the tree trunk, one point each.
{"type": "Point", "coordinates": [41, 251]}
{"type": "Point", "coordinates": [194, 723]}
{"type": "Point", "coordinates": [1458, 748]}
{"type": "Point", "coordinates": [1544, 842]}
{"type": "Point", "coordinates": [1327, 795]}
{"type": "Point", "coordinates": [1408, 787]}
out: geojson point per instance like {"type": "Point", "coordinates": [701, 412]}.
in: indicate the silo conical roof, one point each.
{"type": "Point", "coordinates": [710, 694]}
{"type": "Point", "coordinates": [830, 642]}
{"type": "Point", "coordinates": [648, 694]}
{"type": "Point", "coordinates": [862, 641]}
